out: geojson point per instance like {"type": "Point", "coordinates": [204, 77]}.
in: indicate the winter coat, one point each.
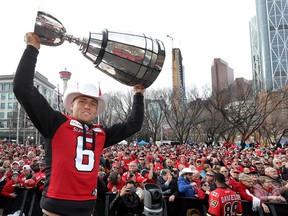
{"type": "Point", "coordinates": [263, 194]}
{"type": "Point", "coordinates": [185, 188]}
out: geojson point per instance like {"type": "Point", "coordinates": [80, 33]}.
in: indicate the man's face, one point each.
{"type": "Point", "coordinates": [15, 166]}
{"type": "Point", "coordinates": [254, 176]}
{"type": "Point", "coordinates": [224, 171]}
{"type": "Point", "coordinates": [166, 176]}
{"type": "Point", "coordinates": [132, 167]}
{"type": "Point", "coordinates": [84, 109]}
{"type": "Point", "coordinates": [169, 162]}
{"type": "Point", "coordinates": [189, 177]}
{"type": "Point", "coordinates": [272, 173]}
{"type": "Point", "coordinates": [14, 177]}
{"type": "Point", "coordinates": [209, 177]}
{"type": "Point", "coordinates": [235, 175]}
{"type": "Point", "coordinates": [141, 160]}
{"type": "Point", "coordinates": [258, 164]}
{"type": "Point", "coordinates": [248, 182]}
{"type": "Point", "coordinates": [129, 187]}
{"type": "Point", "coordinates": [277, 163]}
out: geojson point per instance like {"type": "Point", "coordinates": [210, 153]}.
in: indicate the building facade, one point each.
{"type": "Point", "coordinates": [178, 79]}
{"type": "Point", "coordinates": [269, 50]}
{"type": "Point", "coordinates": [14, 123]}
{"type": "Point", "coordinates": [222, 75]}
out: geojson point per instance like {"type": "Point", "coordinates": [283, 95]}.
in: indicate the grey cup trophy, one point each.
{"type": "Point", "coordinates": [129, 58]}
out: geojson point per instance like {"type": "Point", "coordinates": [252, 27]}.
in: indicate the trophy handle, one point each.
{"type": "Point", "coordinates": [49, 29]}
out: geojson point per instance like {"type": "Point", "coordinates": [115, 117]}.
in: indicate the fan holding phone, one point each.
{"type": "Point", "coordinates": [127, 202]}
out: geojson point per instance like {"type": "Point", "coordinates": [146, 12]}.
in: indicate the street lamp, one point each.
{"type": "Point", "coordinates": [172, 38]}
{"type": "Point", "coordinates": [9, 131]}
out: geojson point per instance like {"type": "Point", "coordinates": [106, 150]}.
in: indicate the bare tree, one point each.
{"type": "Point", "coordinates": [118, 109]}
{"type": "Point", "coordinates": [214, 125]}
{"type": "Point", "coordinates": [181, 113]}
{"type": "Point", "coordinates": [245, 113]}
{"type": "Point", "coordinates": [154, 115]}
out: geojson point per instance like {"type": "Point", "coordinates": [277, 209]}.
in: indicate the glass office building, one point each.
{"type": "Point", "coordinates": [269, 45]}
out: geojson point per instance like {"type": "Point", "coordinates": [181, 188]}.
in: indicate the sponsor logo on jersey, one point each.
{"type": "Point", "coordinates": [75, 123]}
{"type": "Point", "coordinates": [214, 203]}
{"type": "Point", "coordinates": [97, 129]}
{"type": "Point", "coordinates": [215, 194]}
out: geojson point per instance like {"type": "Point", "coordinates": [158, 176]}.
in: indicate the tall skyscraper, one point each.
{"type": "Point", "coordinates": [178, 74]}
{"type": "Point", "coordinates": [222, 75]}
{"type": "Point", "coordinates": [269, 45]}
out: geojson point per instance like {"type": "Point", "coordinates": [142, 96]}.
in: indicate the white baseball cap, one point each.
{"type": "Point", "coordinates": [86, 90]}
{"type": "Point", "coordinates": [26, 167]}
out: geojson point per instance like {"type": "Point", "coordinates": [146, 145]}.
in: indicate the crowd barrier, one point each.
{"type": "Point", "coordinates": [27, 202]}
{"type": "Point", "coordinates": [184, 203]}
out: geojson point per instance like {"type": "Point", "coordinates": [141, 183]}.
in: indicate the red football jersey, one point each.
{"type": "Point", "coordinates": [224, 201]}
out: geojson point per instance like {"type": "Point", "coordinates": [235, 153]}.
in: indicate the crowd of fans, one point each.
{"type": "Point", "coordinates": [258, 173]}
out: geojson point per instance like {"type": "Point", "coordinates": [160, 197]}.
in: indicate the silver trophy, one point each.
{"type": "Point", "coordinates": [129, 58]}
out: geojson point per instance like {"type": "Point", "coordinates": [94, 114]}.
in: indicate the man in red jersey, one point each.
{"type": "Point", "coordinates": [73, 144]}
{"type": "Point", "coordinates": [223, 201]}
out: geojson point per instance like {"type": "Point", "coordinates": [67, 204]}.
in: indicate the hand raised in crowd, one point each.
{"type": "Point", "coordinates": [32, 39]}
{"type": "Point", "coordinates": [124, 191]}
{"type": "Point", "coordinates": [169, 179]}
{"type": "Point", "coordinates": [194, 184]}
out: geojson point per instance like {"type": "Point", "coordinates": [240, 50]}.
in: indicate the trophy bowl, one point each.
{"type": "Point", "coordinates": [127, 57]}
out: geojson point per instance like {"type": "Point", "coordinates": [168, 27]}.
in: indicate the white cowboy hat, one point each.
{"type": "Point", "coordinates": [186, 171]}
{"type": "Point", "coordinates": [86, 90]}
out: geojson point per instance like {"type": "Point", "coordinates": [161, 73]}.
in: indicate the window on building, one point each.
{"type": "Point", "coordinates": [48, 93]}
{"type": "Point", "coordinates": [2, 106]}
{"type": "Point", "coordinates": [10, 96]}
{"type": "Point", "coordinates": [2, 115]}
{"type": "Point", "coordinates": [9, 114]}
{"type": "Point", "coordinates": [2, 124]}
{"type": "Point", "coordinates": [10, 105]}
{"type": "Point", "coordinates": [3, 96]}
{"type": "Point", "coordinates": [15, 105]}
{"type": "Point", "coordinates": [3, 85]}
{"type": "Point", "coordinates": [10, 87]}
{"type": "Point", "coordinates": [9, 124]}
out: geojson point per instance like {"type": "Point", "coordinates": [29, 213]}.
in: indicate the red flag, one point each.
{"type": "Point", "coordinates": [100, 93]}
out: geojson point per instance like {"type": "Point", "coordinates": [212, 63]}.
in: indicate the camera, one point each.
{"type": "Point", "coordinates": [166, 192]}
{"type": "Point", "coordinates": [131, 174]}
{"type": "Point", "coordinates": [152, 200]}
{"type": "Point", "coordinates": [131, 190]}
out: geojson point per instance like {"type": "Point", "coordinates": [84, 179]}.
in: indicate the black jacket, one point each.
{"type": "Point", "coordinates": [172, 188]}
{"type": "Point", "coordinates": [127, 205]}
